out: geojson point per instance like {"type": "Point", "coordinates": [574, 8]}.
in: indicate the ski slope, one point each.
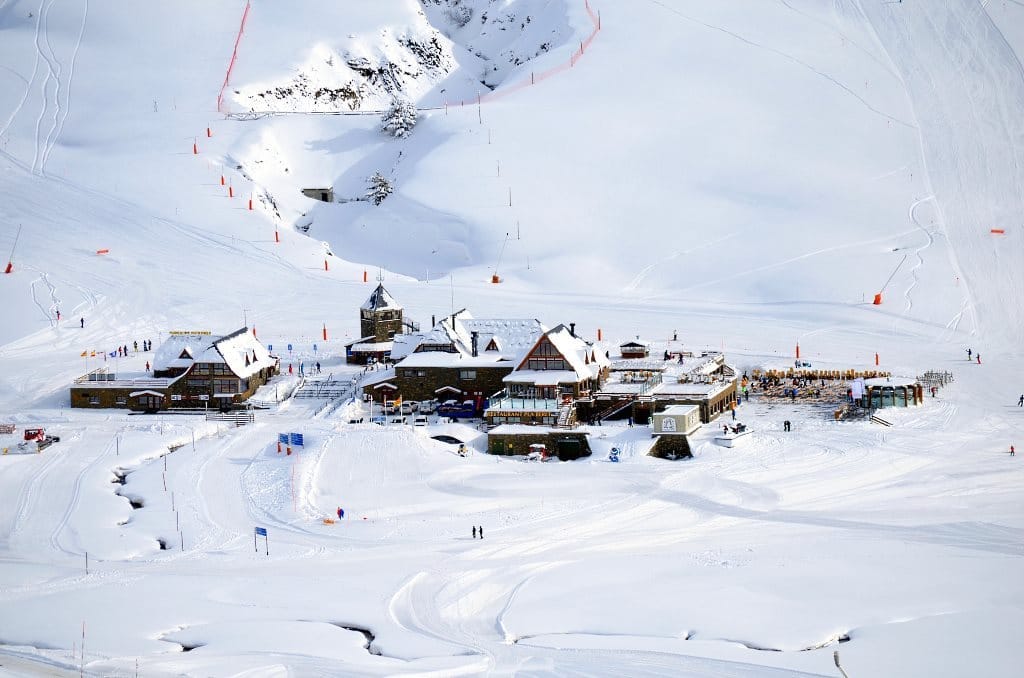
{"type": "Point", "coordinates": [748, 174]}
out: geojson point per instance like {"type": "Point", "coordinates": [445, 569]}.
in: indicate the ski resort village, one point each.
{"type": "Point", "coordinates": [512, 338]}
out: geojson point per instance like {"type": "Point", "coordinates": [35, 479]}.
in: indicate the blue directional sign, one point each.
{"type": "Point", "coordinates": [296, 439]}
{"type": "Point", "coordinates": [261, 531]}
{"type": "Point", "coordinates": [289, 348]}
{"type": "Point", "coordinates": [270, 348]}
{"type": "Point", "coordinates": [282, 438]}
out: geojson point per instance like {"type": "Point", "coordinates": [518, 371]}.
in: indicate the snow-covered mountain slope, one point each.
{"type": "Point", "coordinates": [748, 173]}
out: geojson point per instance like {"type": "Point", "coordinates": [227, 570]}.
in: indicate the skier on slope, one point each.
{"type": "Point", "coordinates": [968, 354]}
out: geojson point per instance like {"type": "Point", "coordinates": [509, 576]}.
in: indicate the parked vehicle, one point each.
{"type": "Point", "coordinates": [408, 407]}
{"type": "Point", "coordinates": [453, 408]}
{"type": "Point", "coordinates": [427, 407]}
{"type": "Point", "coordinates": [397, 420]}
{"type": "Point", "coordinates": [34, 434]}
{"type": "Point", "coordinates": [39, 437]}
{"type": "Point", "coordinates": [378, 419]}
{"type": "Point", "coordinates": [421, 420]}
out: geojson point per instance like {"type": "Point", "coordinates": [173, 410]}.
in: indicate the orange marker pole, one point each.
{"type": "Point", "coordinates": [195, 147]}
{"type": "Point", "coordinates": [798, 351]}
{"type": "Point", "coordinates": [325, 332]}
{"type": "Point", "coordinates": [250, 204]}
{"type": "Point", "coordinates": [231, 191]}
{"type": "Point", "coordinates": [222, 179]}
{"type": "Point", "coordinates": [364, 276]}
{"type": "Point", "coordinates": [876, 359]}
{"type": "Point", "coordinates": [209, 133]}
{"type": "Point", "coordinates": [277, 238]}
{"type": "Point", "coordinates": [325, 265]}
{"type": "Point", "coordinates": [599, 334]}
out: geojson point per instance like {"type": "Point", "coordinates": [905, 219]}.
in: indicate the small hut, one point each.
{"type": "Point", "coordinates": [891, 392]}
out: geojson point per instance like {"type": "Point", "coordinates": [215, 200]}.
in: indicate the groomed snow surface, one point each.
{"type": "Point", "coordinates": [747, 174]}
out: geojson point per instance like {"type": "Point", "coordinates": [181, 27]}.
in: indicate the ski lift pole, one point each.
{"type": "Point", "coordinates": [10, 259]}
{"type": "Point", "coordinates": [501, 253]}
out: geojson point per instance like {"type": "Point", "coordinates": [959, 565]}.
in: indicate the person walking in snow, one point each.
{"type": "Point", "coordinates": [58, 315]}
{"type": "Point", "coordinates": [481, 531]}
{"type": "Point", "coordinates": [147, 366]}
{"type": "Point", "coordinates": [1011, 450]}
{"type": "Point", "coordinates": [135, 345]}
{"type": "Point", "coordinates": [978, 356]}
{"type": "Point", "coordinates": [474, 532]}
{"type": "Point", "coordinates": [1020, 403]}
{"type": "Point", "coordinates": [82, 322]}
{"type": "Point", "coordinates": [968, 354]}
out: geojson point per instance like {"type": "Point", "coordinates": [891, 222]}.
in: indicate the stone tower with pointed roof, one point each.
{"type": "Point", "coordinates": [380, 316]}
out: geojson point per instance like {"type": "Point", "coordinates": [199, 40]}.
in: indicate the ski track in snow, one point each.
{"type": "Point", "coordinates": [41, 36]}
{"type": "Point", "coordinates": [929, 241]}
{"type": "Point", "coordinates": [788, 57]}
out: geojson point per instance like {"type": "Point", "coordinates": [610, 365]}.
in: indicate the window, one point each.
{"type": "Point", "coordinates": [467, 374]}
{"type": "Point", "coordinates": [545, 348]}
{"type": "Point", "coordinates": [198, 384]}
{"type": "Point", "coordinates": [94, 400]}
{"type": "Point", "coordinates": [202, 368]}
{"type": "Point", "coordinates": [221, 368]}
{"type": "Point", "coordinates": [121, 400]}
{"type": "Point", "coordinates": [225, 386]}
{"type": "Point", "coordinates": [546, 364]}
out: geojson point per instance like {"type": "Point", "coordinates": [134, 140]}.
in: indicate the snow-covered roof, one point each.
{"type": "Point", "coordinates": [135, 394]}
{"type": "Point", "coordinates": [371, 346]}
{"type": "Point", "coordinates": [890, 381]}
{"type": "Point", "coordinates": [235, 350]}
{"type": "Point", "coordinates": [243, 353]}
{"type": "Point", "coordinates": [689, 389]}
{"type": "Point", "coordinates": [455, 360]}
{"type": "Point", "coordinates": [582, 357]}
{"type": "Point", "coordinates": [511, 337]}
{"type": "Point", "coordinates": [531, 429]}
{"type": "Point", "coordinates": [542, 377]}
{"type": "Point", "coordinates": [678, 410]}
{"type": "Point", "coordinates": [381, 300]}
{"type": "Point", "coordinates": [181, 350]}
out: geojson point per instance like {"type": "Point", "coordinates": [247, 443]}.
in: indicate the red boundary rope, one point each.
{"type": "Point", "coordinates": [234, 57]}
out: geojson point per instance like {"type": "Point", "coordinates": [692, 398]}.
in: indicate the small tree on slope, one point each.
{"type": "Point", "coordinates": [400, 118]}
{"type": "Point", "coordinates": [380, 188]}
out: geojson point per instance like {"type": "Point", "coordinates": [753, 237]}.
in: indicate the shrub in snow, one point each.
{"type": "Point", "coordinates": [400, 118]}
{"type": "Point", "coordinates": [459, 14]}
{"type": "Point", "coordinates": [380, 188]}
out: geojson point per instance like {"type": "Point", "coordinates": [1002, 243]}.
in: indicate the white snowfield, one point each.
{"type": "Point", "coordinates": [746, 174]}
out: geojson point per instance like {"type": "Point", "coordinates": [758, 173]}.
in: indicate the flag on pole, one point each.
{"type": "Point", "coordinates": [85, 354]}
{"type": "Point", "coordinates": [92, 354]}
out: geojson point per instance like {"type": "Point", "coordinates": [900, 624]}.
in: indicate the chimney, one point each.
{"type": "Point", "coordinates": [572, 329]}
{"type": "Point", "coordinates": [474, 336]}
